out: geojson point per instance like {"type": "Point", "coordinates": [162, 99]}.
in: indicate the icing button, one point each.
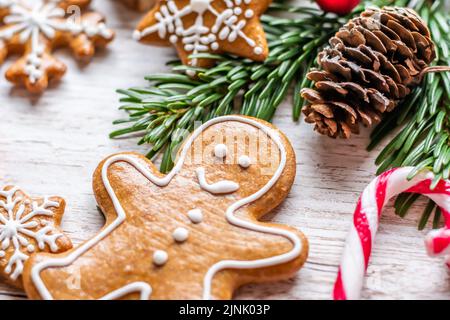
{"type": "Point", "coordinates": [195, 215]}
{"type": "Point", "coordinates": [220, 151]}
{"type": "Point", "coordinates": [180, 234]}
{"type": "Point", "coordinates": [160, 257]}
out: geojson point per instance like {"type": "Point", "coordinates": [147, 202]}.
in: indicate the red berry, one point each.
{"type": "Point", "coordinates": [340, 7]}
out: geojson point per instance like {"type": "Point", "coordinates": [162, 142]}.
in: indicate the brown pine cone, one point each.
{"type": "Point", "coordinates": [372, 63]}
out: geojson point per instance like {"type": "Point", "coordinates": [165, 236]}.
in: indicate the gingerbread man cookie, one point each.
{"type": "Point", "coordinates": [202, 26]}
{"type": "Point", "coordinates": [28, 225]}
{"type": "Point", "coordinates": [33, 28]}
{"type": "Point", "coordinates": [193, 233]}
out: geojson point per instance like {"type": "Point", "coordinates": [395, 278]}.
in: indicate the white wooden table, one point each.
{"type": "Point", "coordinates": [52, 144]}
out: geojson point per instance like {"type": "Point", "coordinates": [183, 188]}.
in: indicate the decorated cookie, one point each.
{"type": "Point", "coordinates": [33, 28]}
{"type": "Point", "coordinates": [202, 26]}
{"type": "Point", "coordinates": [140, 5]}
{"type": "Point", "coordinates": [193, 233]}
{"type": "Point", "coordinates": [28, 225]}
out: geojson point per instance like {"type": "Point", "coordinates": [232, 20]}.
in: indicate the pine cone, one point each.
{"type": "Point", "coordinates": [372, 63]}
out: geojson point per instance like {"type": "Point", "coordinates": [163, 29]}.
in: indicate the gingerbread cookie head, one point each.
{"type": "Point", "coordinates": [207, 26]}
{"type": "Point", "coordinates": [193, 233]}
{"type": "Point", "coordinates": [33, 28]}
{"type": "Point", "coordinates": [28, 225]}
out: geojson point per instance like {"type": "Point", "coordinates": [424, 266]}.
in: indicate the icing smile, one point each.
{"type": "Point", "coordinates": [221, 187]}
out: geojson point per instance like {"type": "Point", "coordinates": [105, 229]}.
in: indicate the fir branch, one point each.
{"type": "Point", "coordinates": [424, 141]}
{"type": "Point", "coordinates": [168, 108]}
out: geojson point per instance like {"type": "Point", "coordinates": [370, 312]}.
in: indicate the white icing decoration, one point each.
{"type": "Point", "coordinates": [195, 215]}
{"type": "Point", "coordinates": [31, 21]}
{"type": "Point", "coordinates": [180, 234]}
{"type": "Point", "coordinates": [160, 257]}
{"type": "Point", "coordinates": [164, 181]}
{"type": "Point", "coordinates": [16, 228]}
{"type": "Point", "coordinates": [228, 26]}
{"type": "Point", "coordinates": [220, 151]}
{"type": "Point", "coordinates": [133, 287]}
{"type": "Point", "coordinates": [249, 13]}
{"type": "Point", "coordinates": [220, 187]}
{"type": "Point", "coordinates": [244, 161]}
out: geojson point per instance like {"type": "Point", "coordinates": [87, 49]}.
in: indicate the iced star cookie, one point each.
{"type": "Point", "coordinates": [202, 26]}
{"type": "Point", "coordinates": [28, 225]}
{"type": "Point", "coordinates": [33, 28]}
{"type": "Point", "coordinates": [191, 234]}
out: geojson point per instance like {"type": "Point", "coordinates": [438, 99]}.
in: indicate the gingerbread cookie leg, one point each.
{"type": "Point", "coordinates": [191, 234]}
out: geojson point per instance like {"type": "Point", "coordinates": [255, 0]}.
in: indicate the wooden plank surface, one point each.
{"type": "Point", "coordinates": [51, 145]}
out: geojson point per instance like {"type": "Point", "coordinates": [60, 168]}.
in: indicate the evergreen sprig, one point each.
{"type": "Point", "coordinates": [424, 141]}
{"type": "Point", "coordinates": [165, 110]}
{"type": "Point", "coordinates": [173, 102]}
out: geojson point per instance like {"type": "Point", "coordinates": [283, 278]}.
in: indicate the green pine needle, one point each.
{"type": "Point", "coordinates": [165, 111]}
{"type": "Point", "coordinates": [174, 102]}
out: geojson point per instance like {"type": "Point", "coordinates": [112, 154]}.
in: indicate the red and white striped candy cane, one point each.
{"type": "Point", "coordinates": [366, 218]}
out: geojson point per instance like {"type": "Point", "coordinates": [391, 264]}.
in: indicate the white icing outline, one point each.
{"type": "Point", "coordinates": [164, 181]}
{"type": "Point", "coordinates": [141, 287]}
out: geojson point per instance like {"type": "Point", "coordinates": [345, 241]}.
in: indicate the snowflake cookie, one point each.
{"type": "Point", "coordinates": [33, 28]}
{"type": "Point", "coordinates": [191, 234]}
{"type": "Point", "coordinates": [202, 26]}
{"type": "Point", "coordinates": [140, 5]}
{"type": "Point", "coordinates": [28, 225]}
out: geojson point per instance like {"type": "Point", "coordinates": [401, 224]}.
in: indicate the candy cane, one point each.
{"type": "Point", "coordinates": [366, 218]}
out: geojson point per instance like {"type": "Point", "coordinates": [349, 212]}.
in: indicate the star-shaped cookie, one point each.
{"type": "Point", "coordinates": [28, 225]}
{"type": "Point", "coordinates": [191, 234]}
{"type": "Point", "coordinates": [34, 28]}
{"type": "Point", "coordinates": [207, 26]}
